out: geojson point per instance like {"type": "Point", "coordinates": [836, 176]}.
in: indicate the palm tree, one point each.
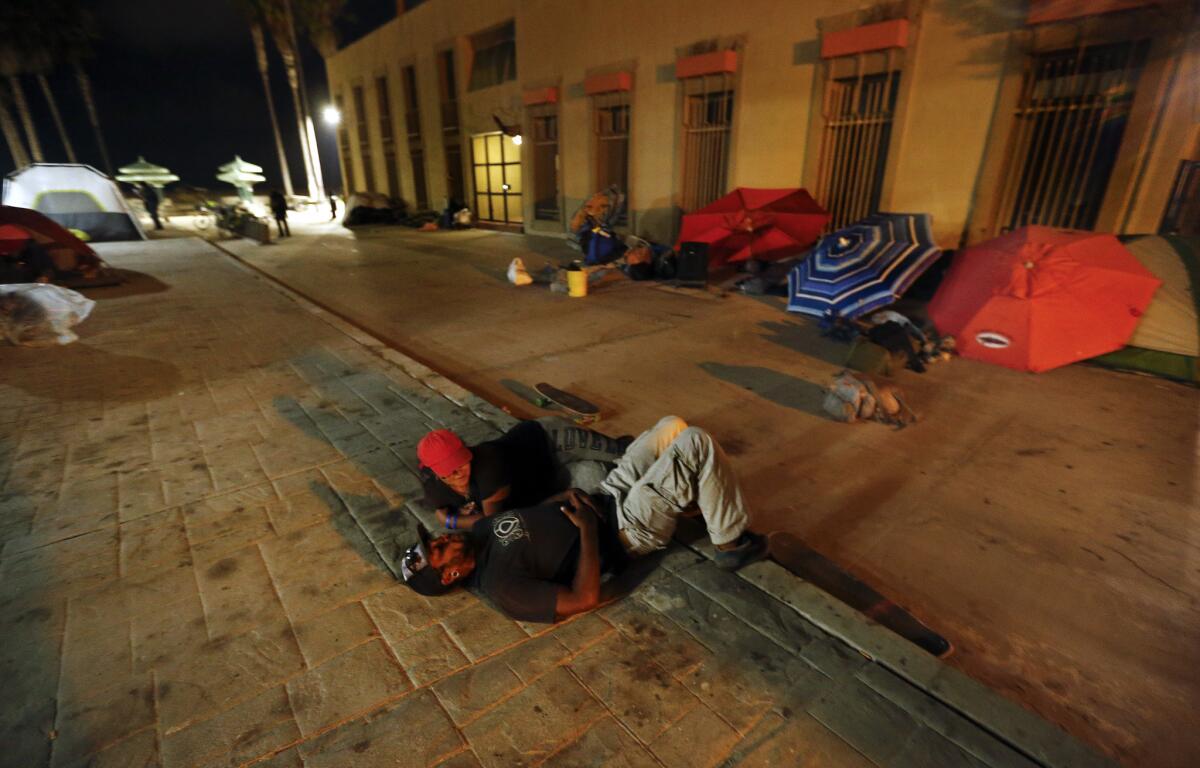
{"type": "Point", "coordinates": [85, 88]}
{"type": "Point", "coordinates": [55, 35]}
{"type": "Point", "coordinates": [260, 52]}
{"type": "Point", "coordinates": [255, 13]}
{"type": "Point", "coordinates": [58, 121]}
{"type": "Point", "coordinates": [317, 18]}
{"type": "Point", "coordinates": [12, 135]}
{"type": "Point", "coordinates": [278, 19]}
{"type": "Point", "coordinates": [310, 135]}
{"type": "Point", "coordinates": [17, 22]}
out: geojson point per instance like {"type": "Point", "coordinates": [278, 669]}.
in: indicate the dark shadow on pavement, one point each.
{"type": "Point", "coordinates": [132, 284]}
{"type": "Point", "coordinates": [805, 338]}
{"type": "Point", "coordinates": [623, 583]}
{"type": "Point", "coordinates": [522, 390]}
{"type": "Point", "coordinates": [72, 373]}
{"type": "Point", "coordinates": [779, 388]}
{"type": "Point", "coordinates": [383, 552]}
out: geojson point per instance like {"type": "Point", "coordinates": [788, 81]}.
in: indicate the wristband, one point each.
{"type": "Point", "coordinates": [452, 521]}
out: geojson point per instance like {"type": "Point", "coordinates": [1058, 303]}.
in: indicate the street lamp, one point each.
{"type": "Point", "coordinates": [331, 115]}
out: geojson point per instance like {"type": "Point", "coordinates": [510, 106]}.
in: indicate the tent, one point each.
{"type": "Point", "coordinates": [1038, 298]}
{"type": "Point", "coordinates": [65, 249]}
{"type": "Point", "coordinates": [76, 196]}
{"type": "Point", "coordinates": [1167, 340]}
{"type": "Point", "coordinates": [75, 263]}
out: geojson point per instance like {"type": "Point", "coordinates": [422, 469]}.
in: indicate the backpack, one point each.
{"type": "Point", "coordinates": [853, 397]}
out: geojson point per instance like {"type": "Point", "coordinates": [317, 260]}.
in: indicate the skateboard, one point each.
{"type": "Point", "coordinates": [798, 558]}
{"type": "Point", "coordinates": [582, 411]}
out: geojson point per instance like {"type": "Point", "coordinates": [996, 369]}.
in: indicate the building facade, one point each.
{"type": "Point", "coordinates": [987, 114]}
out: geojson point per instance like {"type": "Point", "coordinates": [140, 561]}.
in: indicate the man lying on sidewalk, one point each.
{"type": "Point", "coordinates": [526, 465]}
{"type": "Point", "coordinates": [543, 563]}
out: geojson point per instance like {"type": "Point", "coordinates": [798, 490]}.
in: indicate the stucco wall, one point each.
{"type": "Point", "coordinates": [944, 130]}
{"type": "Point", "coordinates": [954, 68]}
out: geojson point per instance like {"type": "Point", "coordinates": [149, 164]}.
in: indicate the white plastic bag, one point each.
{"type": "Point", "coordinates": [517, 274]}
{"type": "Point", "coordinates": [37, 314]}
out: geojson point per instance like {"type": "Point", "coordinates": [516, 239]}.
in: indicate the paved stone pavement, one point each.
{"type": "Point", "coordinates": [201, 503]}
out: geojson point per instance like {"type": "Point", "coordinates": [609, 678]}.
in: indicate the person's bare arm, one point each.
{"type": "Point", "coordinates": [495, 503]}
{"type": "Point", "coordinates": [584, 593]}
{"type": "Point", "coordinates": [457, 520]}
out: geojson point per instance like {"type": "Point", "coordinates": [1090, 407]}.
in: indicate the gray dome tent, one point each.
{"type": "Point", "coordinates": [76, 196]}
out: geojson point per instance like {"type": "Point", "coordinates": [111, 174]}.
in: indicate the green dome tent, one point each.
{"type": "Point", "coordinates": [1167, 339]}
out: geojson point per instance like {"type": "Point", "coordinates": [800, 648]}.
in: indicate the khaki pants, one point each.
{"type": "Point", "coordinates": [667, 469]}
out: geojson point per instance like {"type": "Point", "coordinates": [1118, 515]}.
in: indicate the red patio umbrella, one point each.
{"type": "Point", "coordinates": [1038, 298]}
{"type": "Point", "coordinates": [755, 223]}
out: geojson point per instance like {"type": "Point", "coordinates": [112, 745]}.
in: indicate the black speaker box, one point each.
{"type": "Point", "coordinates": [692, 264]}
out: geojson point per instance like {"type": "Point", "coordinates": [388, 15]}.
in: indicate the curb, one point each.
{"type": "Point", "coordinates": [1025, 732]}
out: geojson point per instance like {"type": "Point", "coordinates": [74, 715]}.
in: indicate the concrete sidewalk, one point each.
{"type": "Point", "coordinates": [201, 505]}
{"type": "Point", "coordinates": [1046, 524]}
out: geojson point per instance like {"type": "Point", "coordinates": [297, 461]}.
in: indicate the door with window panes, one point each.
{"type": "Point", "coordinates": [496, 164]}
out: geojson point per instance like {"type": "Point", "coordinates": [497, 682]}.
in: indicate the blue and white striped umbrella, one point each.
{"type": "Point", "coordinates": [862, 267]}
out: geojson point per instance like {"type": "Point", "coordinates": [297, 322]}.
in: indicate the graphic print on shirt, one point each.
{"type": "Point", "coordinates": [509, 528]}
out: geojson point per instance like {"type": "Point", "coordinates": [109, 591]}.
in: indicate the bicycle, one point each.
{"type": "Point", "coordinates": [204, 218]}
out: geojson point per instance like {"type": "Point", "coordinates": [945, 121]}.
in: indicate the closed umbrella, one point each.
{"type": "Point", "coordinates": [1038, 298]}
{"type": "Point", "coordinates": [863, 267]}
{"type": "Point", "coordinates": [750, 223]}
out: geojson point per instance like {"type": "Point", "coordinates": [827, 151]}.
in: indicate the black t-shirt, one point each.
{"type": "Point", "coordinates": [520, 459]}
{"type": "Point", "coordinates": [523, 556]}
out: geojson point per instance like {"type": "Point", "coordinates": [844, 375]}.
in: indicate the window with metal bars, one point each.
{"type": "Point", "coordinates": [448, 91]}
{"type": "Point", "coordinates": [1069, 122]}
{"type": "Point", "coordinates": [544, 120]}
{"type": "Point", "coordinates": [451, 139]}
{"type": "Point", "coordinates": [344, 146]}
{"type": "Point", "coordinates": [494, 56]}
{"type": "Point", "coordinates": [416, 146]}
{"type": "Point", "coordinates": [611, 114]}
{"type": "Point", "coordinates": [858, 106]}
{"type": "Point", "coordinates": [1182, 215]}
{"type": "Point", "coordinates": [384, 103]}
{"type": "Point", "coordinates": [364, 140]}
{"type": "Point", "coordinates": [707, 129]}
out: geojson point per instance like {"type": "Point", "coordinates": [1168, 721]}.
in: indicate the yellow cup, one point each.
{"type": "Point", "coordinates": [576, 283]}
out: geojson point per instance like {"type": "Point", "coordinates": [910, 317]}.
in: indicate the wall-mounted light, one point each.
{"type": "Point", "coordinates": [331, 115]}
{"type": "Point", "coordinates": [517, 139]}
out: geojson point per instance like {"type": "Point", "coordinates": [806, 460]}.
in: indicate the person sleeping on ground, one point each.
{"type": "Point", "coordinates": [544, 562]}
{"type": "Point", "coordinates": [532, 462]}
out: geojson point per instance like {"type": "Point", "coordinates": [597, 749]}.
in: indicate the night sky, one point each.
{"type": "Point", "coordinates": [177, 82]}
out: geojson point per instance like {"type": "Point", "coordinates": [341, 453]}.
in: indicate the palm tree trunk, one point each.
{"type": "Point", "coordinates": [13, 137]}
{"type": "Point", "coordinates": [62, 129]}
{"type": "Point", "coordinates": [260, 51]}
{"type": "Point", "coordinates": [289, 62]}
{"type": "Point", "coordinates": [309, 134]}
{"type": "Point", "coordinates": [85, 87]}
{"type": "Point", "coordinates": [35, 147]}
